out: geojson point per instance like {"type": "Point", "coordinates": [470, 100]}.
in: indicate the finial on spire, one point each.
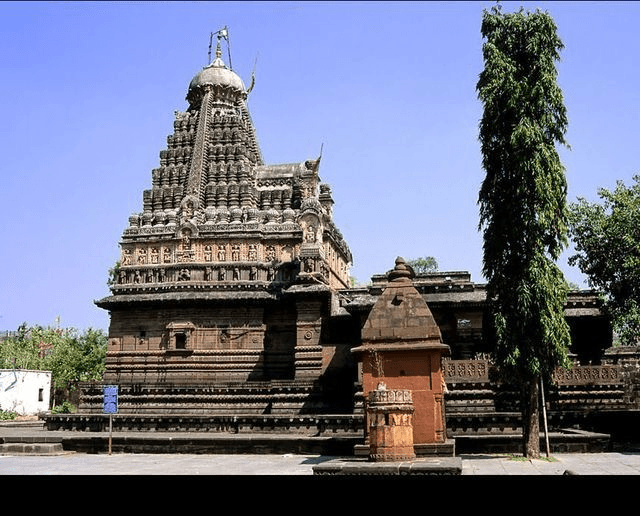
{"type": "Point", "coordinates": [221, 34]}
{"type": "Point", "coordinates": [401, 272]}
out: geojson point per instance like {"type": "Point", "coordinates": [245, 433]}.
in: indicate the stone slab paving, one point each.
{"type": "Point", "coordinates": [72, 463]}
{"type": "Point", "coordinates": [163, 464]}
{"type": "Point", "coordinates": [557, 464]}
{"type": "Point", "coordinates": [289, 464]}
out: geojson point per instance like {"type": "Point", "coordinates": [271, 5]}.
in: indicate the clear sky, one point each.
{"type": "Point", "coordinates": [386, 89]}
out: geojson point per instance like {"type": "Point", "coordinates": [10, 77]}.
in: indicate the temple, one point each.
{"type": "Point", "coordinates": [232, 303]}
{"type": "Point", "coordinates": [230, 272]}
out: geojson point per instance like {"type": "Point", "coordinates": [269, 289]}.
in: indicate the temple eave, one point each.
{"type": "Point", "coordinates": [127, 300]}
{"type": "Point", "coordinates": [401, 345]}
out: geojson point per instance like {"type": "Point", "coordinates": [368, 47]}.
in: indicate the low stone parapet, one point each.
{"type": "Point", "coordinates": [266, 424]}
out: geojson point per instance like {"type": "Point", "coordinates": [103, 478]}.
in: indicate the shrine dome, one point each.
{"type": "Point", "coordinates": [217, 74]}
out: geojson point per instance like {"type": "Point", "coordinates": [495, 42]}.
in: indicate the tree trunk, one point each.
{"type": "Point", "coordinates": [531, 419]}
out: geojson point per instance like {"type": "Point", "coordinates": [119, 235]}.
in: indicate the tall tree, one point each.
{"type": "Point", "coordinates": [607, 244]}
{"type": "Point", "coordinates": [522, 200]}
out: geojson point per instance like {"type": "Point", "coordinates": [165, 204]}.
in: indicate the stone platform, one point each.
{"type": "Point", "coordinates": [326, 435]}
{"type": "Point", "coordinates": [418, 466]}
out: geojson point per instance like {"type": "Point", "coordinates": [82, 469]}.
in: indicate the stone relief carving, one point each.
{"type": "Point", "coordinates": [271, 253]}
{"type": "Point", "coordinates": [235, 253]}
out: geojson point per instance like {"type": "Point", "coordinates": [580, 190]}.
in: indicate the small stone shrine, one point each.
{"type": "Point", "coordinates": [402, 347]}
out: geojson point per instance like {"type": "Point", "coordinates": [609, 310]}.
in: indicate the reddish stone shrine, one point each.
{"type": "Point", "coordinates": [402, 347]}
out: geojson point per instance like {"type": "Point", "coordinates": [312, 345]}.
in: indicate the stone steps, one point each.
{"type": "Point", "coordinates": [22, 445]}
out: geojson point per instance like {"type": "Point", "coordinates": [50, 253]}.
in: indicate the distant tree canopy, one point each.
{"type": "Point", "coordinates": [69, 355]}
{"type": "Point", "coordinates": [607, 245]}
{"type": "Point", "coordinates": [423, 264]}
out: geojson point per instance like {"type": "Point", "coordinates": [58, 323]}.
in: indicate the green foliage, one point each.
{"type": "Point", "coordinates": [6, 415]}
{"type": "Point", "coordinates": [64, 408]}
{"type": "Point", "coordinates": [523, 209]}
{"type": "Point", "coordinates": [70, 356]}
{"type": "Point", "coordinates": [423, 264]}
{"type": "Point", "coordinates": [607, 244]}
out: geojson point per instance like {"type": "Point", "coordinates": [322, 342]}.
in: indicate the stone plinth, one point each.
{"type": "Point", "coordinates": [390, 429]}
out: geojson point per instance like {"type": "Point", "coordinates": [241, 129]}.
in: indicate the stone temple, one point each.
{"type": "Point", "coordinates": [231, 306]}
{"type": "Point", "coordinates": [230, 272]}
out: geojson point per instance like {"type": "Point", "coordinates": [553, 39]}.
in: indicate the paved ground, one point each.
{"type": "Point", "coordinates": [71, 463]}
{"type": "Point", "coordinates": [179, 464]}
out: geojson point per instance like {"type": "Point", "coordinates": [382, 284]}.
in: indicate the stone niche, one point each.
{"type": "Point", "coordinates": [402, 347]}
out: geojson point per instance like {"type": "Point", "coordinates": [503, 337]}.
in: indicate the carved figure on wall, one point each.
{"type": "Point", "coordinates": [186, 239]}
{"type": "Point", "coordinates": [222, 274]}
{"type": "Point", "coordinates": [161, 275]}
{"type": "Point", "coordinates": [126, 257]}
{"type": "Point", "coordinates": [235, 253]}
{"type": "Point", "coordinates": [286, 253]}
{"type": "Point", "coordinates": [166, 255]}
{"type": "Point", "coordinates": [253, 273]}
{"type": "Point", "coordinates": [136, 277]}
{"type": "Point", "coordinates": [187, 211]}
{"type": "Point", "coordinates": [154, 255]}
{"type": "Point", "coordinates": [207, 274]}
{"type": "Point", "coordinates": [236, 273]}
{"type": "Point", "coordinates": [123, 277]}
{"type": "Point", "coordinates": [253, 252]}
{"type": "Point", "coordinates": [207, 253]}
{"type": "Point", "coordinates": [271, 253]}
{"type": "Point", "coordinates": [142, 256]}
{"type": "Point", "coordinates": [309, 265]}
{"type": "Point", "coordinates": [222, 253]}
{"type": "Point", "coordinates": [184, 275]}
{"type": "Point", "coordinates": [149, 276]}
{"type": "Point", "coordinates": [310, 235]}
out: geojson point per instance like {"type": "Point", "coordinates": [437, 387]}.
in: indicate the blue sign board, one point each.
{"type": "Point", "coordinates": [110, 399]}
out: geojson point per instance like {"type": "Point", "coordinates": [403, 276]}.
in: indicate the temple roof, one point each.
{"type": "Point", "coordinates": [216, 216]}
{"type": "Point", "coordinates": [217, 74]}
{"type": "Point", "coordinates": [400, 317]}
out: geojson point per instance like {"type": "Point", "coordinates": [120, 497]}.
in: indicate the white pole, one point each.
{"type": "Point", "coordinates": [544, 414]}
{"type": "Point", "coordinates": [110, 430]}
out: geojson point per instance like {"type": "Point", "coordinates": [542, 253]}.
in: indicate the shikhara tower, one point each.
{"type": "Point", "coordinates": [230, 271]}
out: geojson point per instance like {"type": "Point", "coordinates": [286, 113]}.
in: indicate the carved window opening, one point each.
{"type": "Point", "coordinates": [179, 336]}
{"type": "Point", "coordinates": [181, 340]}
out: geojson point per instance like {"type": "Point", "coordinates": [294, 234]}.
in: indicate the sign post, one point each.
{"type": "Point", "coordinates": [110, 406]}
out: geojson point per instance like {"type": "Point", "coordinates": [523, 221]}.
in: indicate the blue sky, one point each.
{"type": "Point", "coordinates": [386, 89]}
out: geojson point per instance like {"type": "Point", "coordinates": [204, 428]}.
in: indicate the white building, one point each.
{"type": "Point", "coordinates": [24, 392]}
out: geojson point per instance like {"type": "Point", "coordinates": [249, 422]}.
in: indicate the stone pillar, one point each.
{"type": "Point", "coordinates": [389, 417]}
{"type": "Point", "coordinates": [308, 351]}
